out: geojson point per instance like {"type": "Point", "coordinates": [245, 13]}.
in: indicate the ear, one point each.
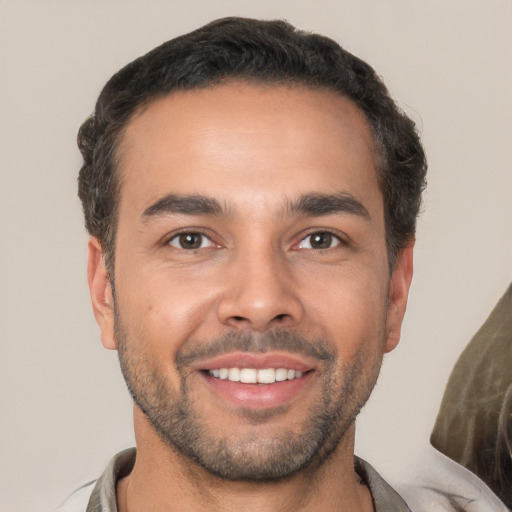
{"type": "Point", "coordinates": [399, 285]}
{"type": "Point", "coordinates": [101, 293]}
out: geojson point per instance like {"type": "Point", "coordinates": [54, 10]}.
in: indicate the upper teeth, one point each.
{"type": "Point", "coordinates": [253, 376]}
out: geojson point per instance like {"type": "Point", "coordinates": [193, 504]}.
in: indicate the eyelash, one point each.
{"type": "Point", "coordinates": [177, 236]}
{"type": "Point", "coordinates": [331, 237]}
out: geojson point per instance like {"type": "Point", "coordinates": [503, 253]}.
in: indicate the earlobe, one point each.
{"type": "Point", "coordinates": [101, 293]}
{"type": "Point", "coordinates": [398, 293]}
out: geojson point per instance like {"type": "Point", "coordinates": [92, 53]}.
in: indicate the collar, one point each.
{"type": "Point", "coordinates": [103, 497]}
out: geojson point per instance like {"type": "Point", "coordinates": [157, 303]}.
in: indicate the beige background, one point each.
{"type": "Point", "coordinates": [64, 410]}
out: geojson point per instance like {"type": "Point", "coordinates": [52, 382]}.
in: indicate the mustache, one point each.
{"type": "Point", "coordinates": [256, 343]}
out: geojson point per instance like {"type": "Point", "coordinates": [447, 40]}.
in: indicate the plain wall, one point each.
{"type": "Point", "coordinates": [64, 409]}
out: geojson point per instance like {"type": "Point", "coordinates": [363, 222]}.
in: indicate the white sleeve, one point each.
{"type": "Point", "coordinates": [78, 500]}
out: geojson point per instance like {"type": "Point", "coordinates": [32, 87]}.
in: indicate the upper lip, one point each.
{"type": "Point", "coordinates": [257, 361]}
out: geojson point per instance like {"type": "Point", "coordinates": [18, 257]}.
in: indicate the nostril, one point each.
{"type": "Point", "coordinates": [281, 317]}
{"type": "Point", "coordinates": [239, 318]}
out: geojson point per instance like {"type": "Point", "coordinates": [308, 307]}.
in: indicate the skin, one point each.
{"type": "Point", "coordinates": [256, 150]}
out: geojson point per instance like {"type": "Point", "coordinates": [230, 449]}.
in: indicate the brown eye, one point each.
{"type": "Point", "coordinates": [190, 241]}
{"type": "Point", "coordinates": [319, 240]}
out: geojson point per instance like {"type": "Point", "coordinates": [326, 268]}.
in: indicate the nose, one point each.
{"type": "Point", "coordinates": [259, 294]}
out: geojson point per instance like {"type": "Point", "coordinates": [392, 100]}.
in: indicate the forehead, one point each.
{"type": "Point", "coordinates": [238, 139]}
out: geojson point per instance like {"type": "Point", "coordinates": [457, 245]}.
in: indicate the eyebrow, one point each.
{"type": "Point", "coordinates": [327, 204]}
{"type": "Point", "coordinates": [314, 205]}
{"type": "Point", "coordinates": [185, 205]}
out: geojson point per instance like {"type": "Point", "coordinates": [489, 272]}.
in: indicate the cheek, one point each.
{"type": "Point", "coordinates": [165, 308]}
{"type": "Point", "coordinates": [350, 307]}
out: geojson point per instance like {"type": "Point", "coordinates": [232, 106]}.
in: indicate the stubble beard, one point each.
{"type": "Point", "coordinates": [252, 458]}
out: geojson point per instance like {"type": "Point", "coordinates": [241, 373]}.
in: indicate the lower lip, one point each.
{"type": "Point", "coordinates": [258, 396]}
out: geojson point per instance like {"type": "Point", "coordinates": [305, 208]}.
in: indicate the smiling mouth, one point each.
{"type": "Point", "coordinates": [255, 376]}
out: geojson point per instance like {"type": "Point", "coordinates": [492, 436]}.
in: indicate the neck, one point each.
{"type": "Point", "coordinates": [164, 480]}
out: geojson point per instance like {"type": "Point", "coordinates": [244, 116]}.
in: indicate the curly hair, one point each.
{"type": "Point", "coordinates": [255, 51]}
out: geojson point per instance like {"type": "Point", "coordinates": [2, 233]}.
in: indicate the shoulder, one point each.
{"type": "Point", "coordinates": [100, 494]}
{"type": "Point", "coordinates": [385, 498]}
{"type": "Point", "coordinates": [439, 484]}
{"type": "Point", "coordinates": [78, 500]}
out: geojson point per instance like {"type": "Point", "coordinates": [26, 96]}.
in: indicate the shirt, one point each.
{"type": "Point", "coordinates": [100, 495]}
{"type": "Point", "coordinates": [438, 484]}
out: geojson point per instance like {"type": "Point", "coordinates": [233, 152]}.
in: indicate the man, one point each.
{"type": "Point", "coordinates": [251, 193]}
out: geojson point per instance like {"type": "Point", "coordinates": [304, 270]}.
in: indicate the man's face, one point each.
{"type": "Point", "coordinates": [253, 298]}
